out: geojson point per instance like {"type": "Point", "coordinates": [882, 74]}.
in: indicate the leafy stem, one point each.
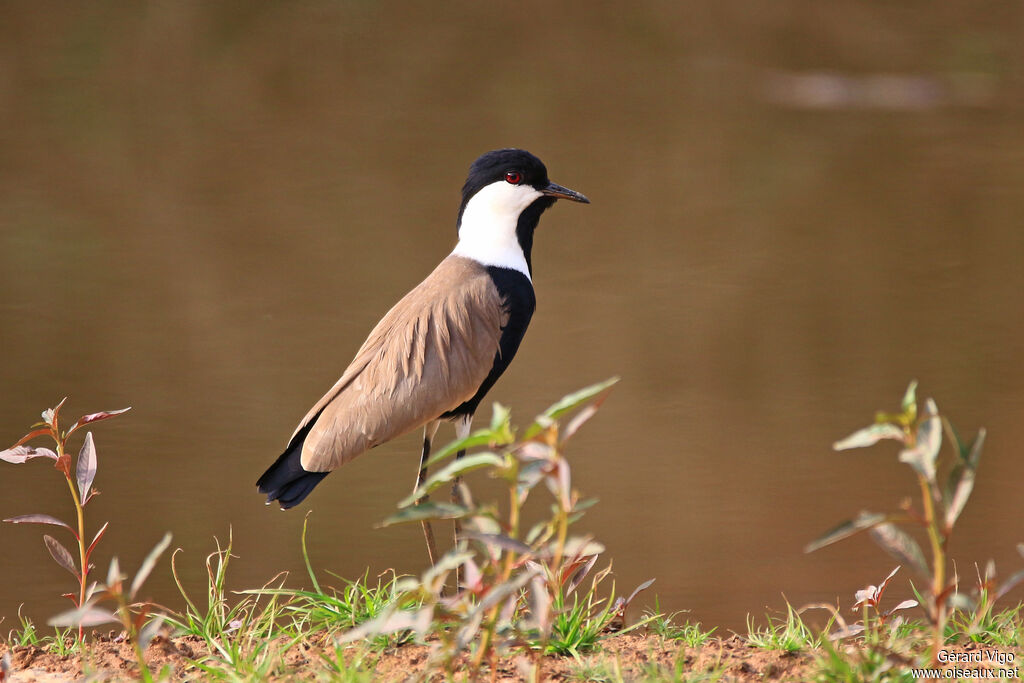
{"type": "Point", "coordinates": [920, 436]}
{"type": "Point", "coordinates": [79, 485]}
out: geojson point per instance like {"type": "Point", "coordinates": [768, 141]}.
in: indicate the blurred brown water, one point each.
{"type": "Point", "coordinates": [797, 208]}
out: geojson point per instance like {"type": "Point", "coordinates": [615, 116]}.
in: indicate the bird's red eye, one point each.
{"type": "Point", "coordinates": [513, 177]}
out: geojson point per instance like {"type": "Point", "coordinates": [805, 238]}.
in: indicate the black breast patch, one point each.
{"type": "Point", "coordinates": [516, 292]}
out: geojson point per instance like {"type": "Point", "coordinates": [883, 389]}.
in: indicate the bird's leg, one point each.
{"type": "Point", "coordinates": [429, 430]}
{"type": "Point", "coordinates": [462, 427]}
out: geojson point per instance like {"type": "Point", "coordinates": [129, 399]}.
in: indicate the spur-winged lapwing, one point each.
{"type": "Point", "coordinates": [438, 351]}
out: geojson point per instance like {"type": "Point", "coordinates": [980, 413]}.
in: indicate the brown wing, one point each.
{"type": "Point", "coordinates": [429, 354]}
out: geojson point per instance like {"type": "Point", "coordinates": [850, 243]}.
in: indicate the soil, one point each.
{"type": "Point", "coordinates": [112, 658]}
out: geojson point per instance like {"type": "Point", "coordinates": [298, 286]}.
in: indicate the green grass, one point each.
{"type": "Point", "coordinates": [603, 670]}
{"type": "Point", "coordinates": [1003, 628]}
{"type": "Point", "coordinates": [789, 633]}
{"type": "Point", "coordinates": [861, 664]}
{"type": "Point", "coordinates": [260, 634]}
{"type": "Point", "coordinates": [578, 625]}
{"type": "Point", "coordinates": [62, 642]}
{"type": "Point", "coordinates": [677, 673]}
{"type": "Point", "coordinates": [527, 601]}
{"type": "Point", "coordinates": [666, 626]}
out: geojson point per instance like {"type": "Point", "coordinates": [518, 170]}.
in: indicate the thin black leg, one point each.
{"type": "Point", "coordinates": [462, 427]}
{"type": "Point", "coordinates": [428, 533]}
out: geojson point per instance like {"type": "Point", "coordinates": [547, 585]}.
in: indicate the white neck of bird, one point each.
{"type": "Point", "coordinates": [487, 232]}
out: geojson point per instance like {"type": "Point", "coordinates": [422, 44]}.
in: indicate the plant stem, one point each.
{"type": "Point", "coordinates": [938, 566]}
{"type": "Point", "coordinates": [83, 577]}
{"type": "Point", "coordinates": [506, 570]}
{"type": "Point", "coordinates": [81, 543]}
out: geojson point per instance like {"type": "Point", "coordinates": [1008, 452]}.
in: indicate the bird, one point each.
{"type": "Point", "coordinates": [438, 351]}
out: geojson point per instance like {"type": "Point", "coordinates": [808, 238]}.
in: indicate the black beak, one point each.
{"type": "Point", "coordinates": [559, 192]}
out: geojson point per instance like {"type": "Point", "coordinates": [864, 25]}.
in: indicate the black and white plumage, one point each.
{"type": "Point", "coordinates": [439, 350]}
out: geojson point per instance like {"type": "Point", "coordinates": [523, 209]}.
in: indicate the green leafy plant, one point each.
{"type": "Point", "coordinates": [942, 499]}
{"type": "Point", "coordinates": [132, 616]}
{"type": "Point", "coordinates": [520, 587]}
{"type": "Point", "coordinates": [869, 600]}
{"type": "Point", "coordinates": [80, 486]}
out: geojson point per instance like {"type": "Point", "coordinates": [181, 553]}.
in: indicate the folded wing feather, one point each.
{"type": "Point", "coordinates": [428, 355]}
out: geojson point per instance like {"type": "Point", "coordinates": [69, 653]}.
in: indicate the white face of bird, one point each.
{"type": "Point", "coordinates": [487, 233]}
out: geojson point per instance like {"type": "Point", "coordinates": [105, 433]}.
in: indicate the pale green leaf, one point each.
{"type": "Point", "coordinates": [566, 404]}
{"type": "Point", "coordinates": [965, 483]}
{"type": "Point", "coordinates": [869, 436]}
{"type": "Point", "coordinates": [929, 439]}
{"type": "Point", "coordinates": [900, 546]}
{"type": "Point", "coordinates": [483, 437]}
{"type": "Point", "coordinates": [450, 472]}
{"type": "Point", "coordinates": [426, 510]}
{"type": "Point", "coordinates": [909, 397]}
{"type": "Point", "coordinates": [865, 520]}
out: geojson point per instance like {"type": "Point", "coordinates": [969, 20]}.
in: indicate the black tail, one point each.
{"type": "Point", "coordinates": [286, 481]}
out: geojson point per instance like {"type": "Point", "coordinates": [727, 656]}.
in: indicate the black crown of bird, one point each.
{"type": "Point", "coordinates": [438, 351]}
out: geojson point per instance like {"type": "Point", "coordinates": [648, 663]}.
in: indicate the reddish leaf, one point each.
{"type": "Point", "coordinates": [60, 554]}
{"type": "Point", "coordinates": [881, 587]}
{"type": "Point", "coordinates": [19, 454]}
{"type": "Point", "coordinates": [96, 539]}
{"type": "Point", "coordinates": [636, 591]}
{"type": "Point", "coordinates": [64, 465]}
{"type": "Point", "coordinates": [579, 574]}
{"type": "Point", "coordinates": [85, 472]}
{"type": "Point", "coordinates": [96, 417]}
{"type": "Point", "coordinates": [56, 410]}
{"type": "Point", "coordinates": [31, 435]}
{"type": "Point", "coordinates": [39, 519]}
